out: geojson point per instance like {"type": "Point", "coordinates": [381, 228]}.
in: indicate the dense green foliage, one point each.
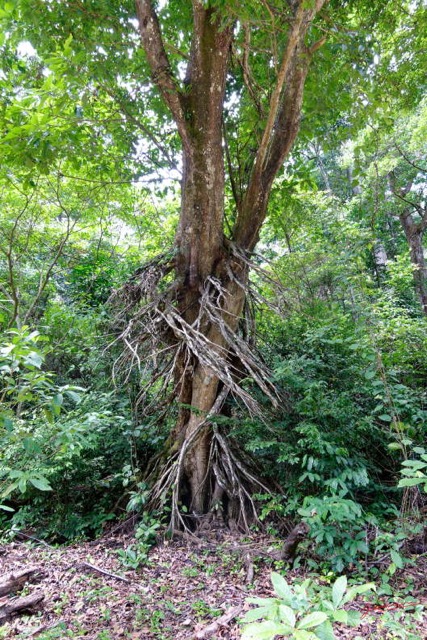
{"type": "Point", "coordinates": [338, 319]}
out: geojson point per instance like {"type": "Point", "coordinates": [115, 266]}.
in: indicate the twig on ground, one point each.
{"type": "Point", "coordinates": [92, 567]}
{"type": "Point", "coordinates": [27, 537]}
{"type": "Point", "coordinates": [212, 628]}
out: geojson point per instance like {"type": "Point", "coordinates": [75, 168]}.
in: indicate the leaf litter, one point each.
{"type": "Point", "coordinates": [189, 589]}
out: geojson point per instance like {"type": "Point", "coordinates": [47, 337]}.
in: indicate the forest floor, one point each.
{"type": "Point", "coordinates": [184, 589]}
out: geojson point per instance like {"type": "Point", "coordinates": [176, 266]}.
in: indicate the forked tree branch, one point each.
{"type": "Point", "coordinates": [158, 61]}
{"type": "Point", "coordinates": [282, 125]}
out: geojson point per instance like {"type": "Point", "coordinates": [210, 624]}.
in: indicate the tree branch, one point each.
{"type": "Point", "coordinates": [281, 127]}
{"type": "Point", "coordinates": [295, 35]}
{"type": "Point", "coordinates": [158, 61]}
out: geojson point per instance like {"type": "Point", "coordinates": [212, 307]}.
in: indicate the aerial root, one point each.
{"type": "Point", "coordinates": [156, 338]}
{"type": "Point", "coordinates": [228, 471]}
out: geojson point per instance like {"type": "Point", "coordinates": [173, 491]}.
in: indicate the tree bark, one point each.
{"type": "Point", "coordinates": [414, 230]}
{"type": "Point", "coordinates": [414, 235]}
{"type": "Point", "coordinates": [14, 581]}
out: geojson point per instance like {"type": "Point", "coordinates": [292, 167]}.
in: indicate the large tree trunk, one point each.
{"type": "Point", "coordinates": [414, 235]}
{"type": "Point", "coordinates": [212, 271]}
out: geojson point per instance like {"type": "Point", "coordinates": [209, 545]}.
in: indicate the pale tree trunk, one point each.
{"type": "Point", "coordinates": [205, 258]}
{"type": "Point", "coordinates": [414, 229]}
{"type": "Point", "coordinates": [414, 233]}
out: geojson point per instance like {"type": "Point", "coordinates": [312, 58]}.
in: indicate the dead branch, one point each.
{"type": "Point", "coordinates": [13, 606]}
{"type": "Point", "coordinates": [92, 567]}
{"type": "Point", "coordinates": [212, 628]}
{"type": "Point", "coordinates": [14, 581]}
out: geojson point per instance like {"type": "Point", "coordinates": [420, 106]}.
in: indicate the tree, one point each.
{"type": "Point", "coordinates": [211, 271]}
{"type": "Point", "coordinates": [231, 76]}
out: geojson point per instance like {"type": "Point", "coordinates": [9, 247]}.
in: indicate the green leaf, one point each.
{"type": "Point", "coordinates": [281, 587]}
{"type": "Point", "coordinates": [9, 489]}
{"type": "Point", "coordinates": [262, 602]}
{"type": "Point", "coordinates": [397, 559]}
{"type": "Point", "coordinates": [257, 614]}
{"type": "Point", "coordinates": [5, 508]}
{"type": "Point", "coordinates": [357, 590]}
{"type": "Point", "coordinates": [301, 634]}
{"type": "Point", "coordinates": [287, 615]}
{"type": "Point", "coordinates": [325, 631]}
{"type": "Point", "coordinates": [266, 630]}
{"type": "Point", "coordinates": [40, 483]}
{"type": "Point", "coordinates": [34, 359]}
{"type": "Point", "coordinates": [353, 618]}
{"type": "Point", "coordinates": [312, 620]}
{"type": "Point", "coordinates": [385, 417]}
{"type": "Point", "coordinates": [338, 590]}
{"type": "Point", "coordinates": [414, 464]}
{"type": "Point", "coordinates": [76, 397]}
{"type": "Point", "coordinates": [410, 482]}
{"type": "Point", "coordinates": [31, 446]}
{"type": "Point", "coordinates": [341, 615]}
{"type": "Point", "coordinates": [7, 423]}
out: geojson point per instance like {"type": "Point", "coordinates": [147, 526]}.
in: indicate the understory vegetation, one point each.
{"type": "Point", "coordinates": [273, 376]}
{"type": "Point", "coordinates": [346, 351]}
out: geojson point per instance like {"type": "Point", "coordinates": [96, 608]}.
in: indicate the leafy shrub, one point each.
{"type": "Point", "coordinates": [136, 555]}
{"type": "Point", "coordinates": [303, 611]}
{"type": "Point", "coordinates": [415, 471]}
{"type": "Point", "coordinates": [338, 529]}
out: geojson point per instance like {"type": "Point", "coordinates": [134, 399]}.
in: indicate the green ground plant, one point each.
{"type": "Point", "coordinates": [304, 611]}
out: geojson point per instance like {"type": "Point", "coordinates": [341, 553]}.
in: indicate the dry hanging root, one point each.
{"type": "Point", "coordinates": [156, 337]}
{"type": "Point", "coordinates": [230, 476]}
{"type": "Point", "coordinates": [165, 347]}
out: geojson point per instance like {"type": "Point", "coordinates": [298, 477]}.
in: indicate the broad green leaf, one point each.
{"type": "Point", "coordinates": [410, 482]}
{"type": "Point", "coordinates": [414, 464]}
{"type": "Point", "coordinates": [266, 630]}
{"type": "Point", "coordinates": [34, 359]}
{"type": "Point", "coordinates": [287, 615]}
{"type": "Point", "coordinates": [397, 559]}
{"type": "Point", "coordinates": [257, 614]}
{"type": "Point", "coordinates": [40, 483]}
{"type": "Point", "coordinates": [338, 590]}
{"type": "Point", "coordinates": [394, 446]}
{"type": "Point", "coordinates": [301, 634]}
{"type": "Point", "coordinates": [358, 590]}
{"type": "Point", "coordinates": [262, 602]}
{"type": "Point", "coordinates": [341, 615]}
{"type": "Point", "coordinates": [312, 620]}
{"type": "Point", "coordinates": [281, 587]}
{"type": "Point", "coordinates": [325, 631]}
{"type": "Point", "coordinates": [76, 397]}
{"type": "Point", "coordinates": [353, 618]}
